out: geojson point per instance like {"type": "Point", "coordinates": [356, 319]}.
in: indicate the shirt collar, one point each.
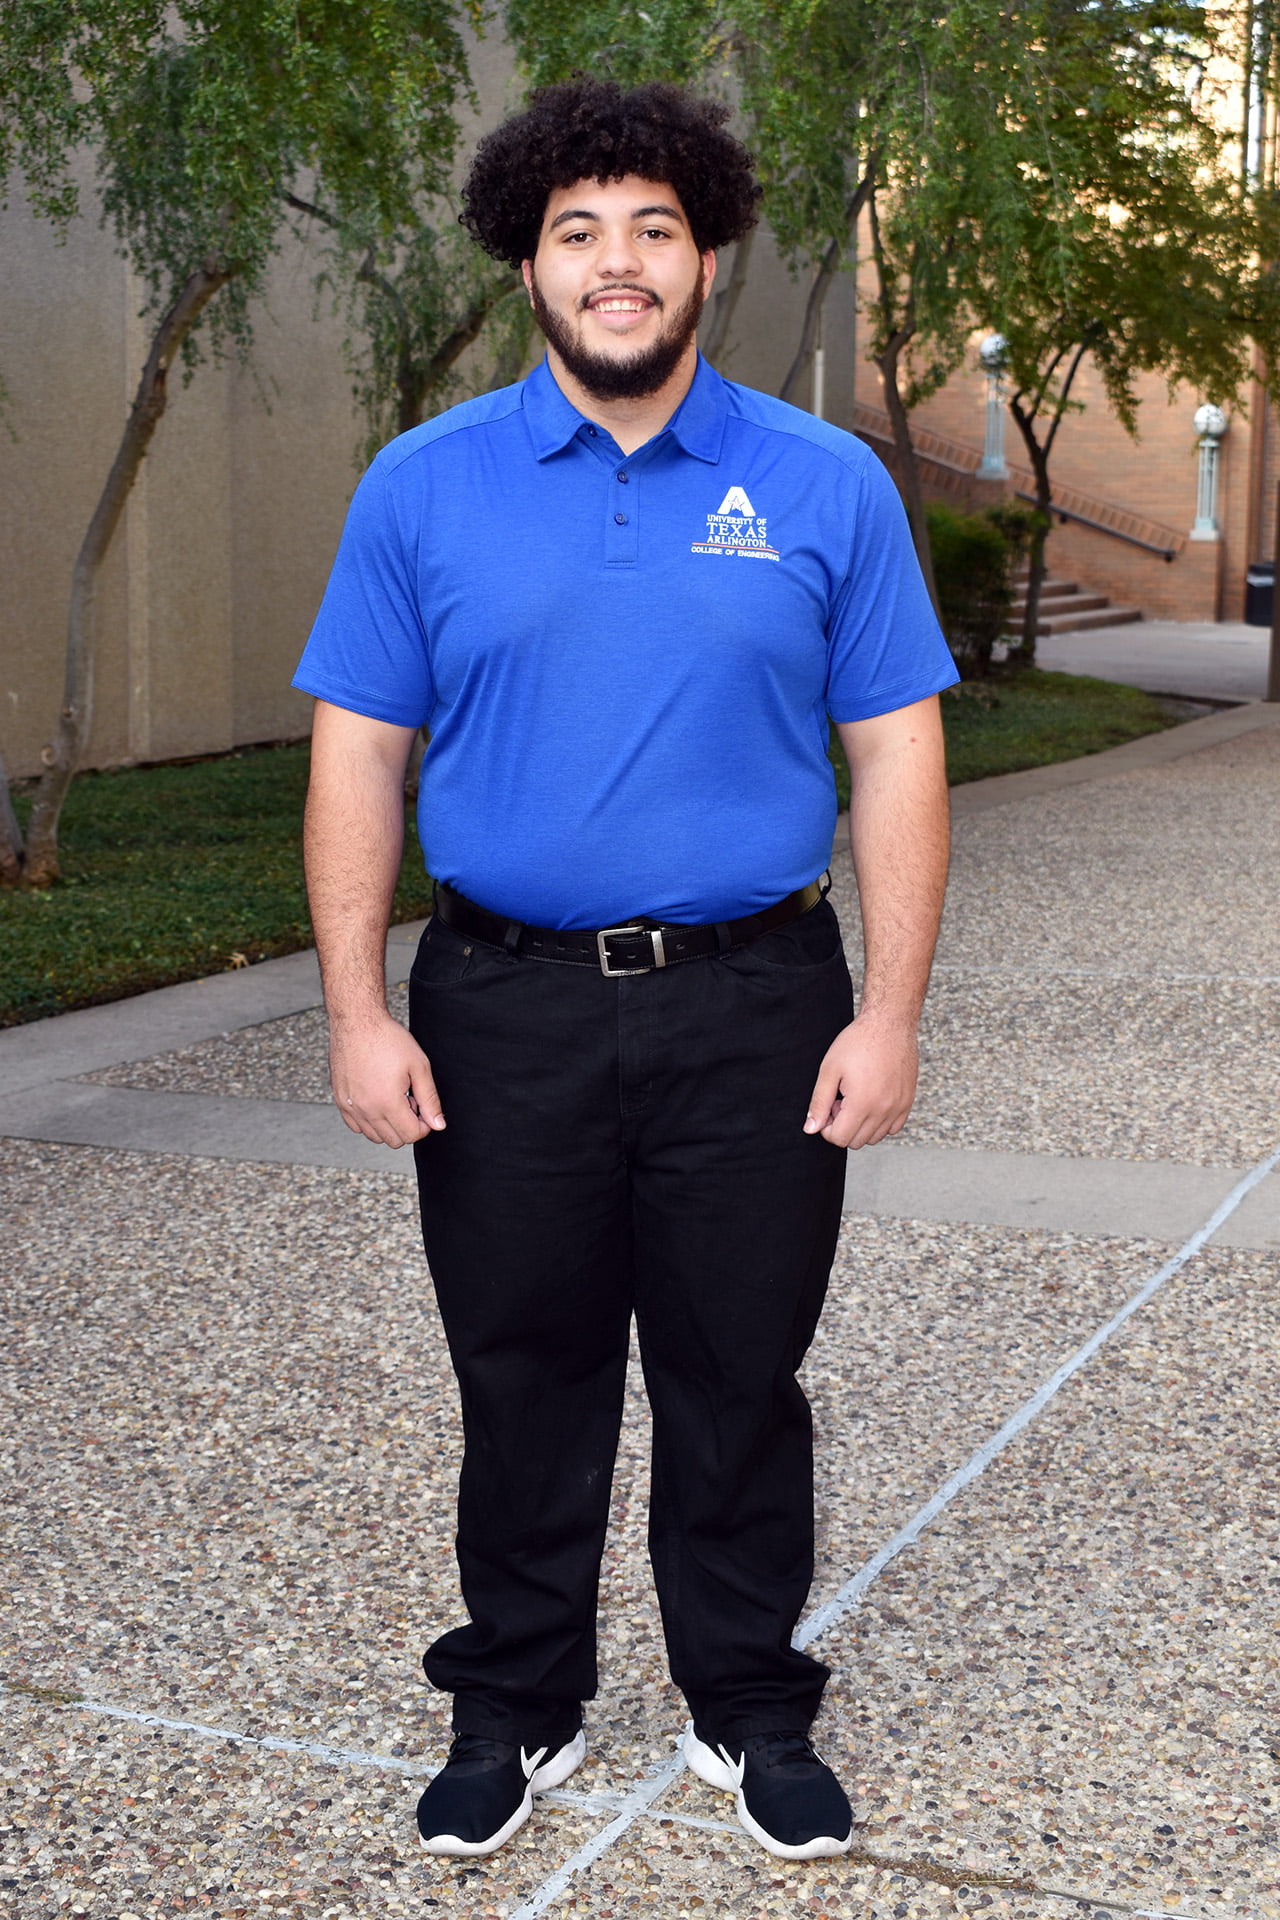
{"type": "Point", "coordinates": [697, 423]}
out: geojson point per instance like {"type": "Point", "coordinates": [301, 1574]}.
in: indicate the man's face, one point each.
{"type": "Point", "coordinates": [617, 284]}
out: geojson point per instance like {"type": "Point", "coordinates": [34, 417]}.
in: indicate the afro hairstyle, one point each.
{"type": "Point", "coordinates": [585, 129]}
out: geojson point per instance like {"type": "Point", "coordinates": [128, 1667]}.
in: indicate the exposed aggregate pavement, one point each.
{"type": "Point", "coordinates": [231, 1444]}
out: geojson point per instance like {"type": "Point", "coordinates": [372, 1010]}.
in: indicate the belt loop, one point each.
{"type": "Point", "coordinates": [511, 938]}
{"type": "Point", "coordinates": [825, 884]}
{"type": "Point", "coordinates": [724, 939]}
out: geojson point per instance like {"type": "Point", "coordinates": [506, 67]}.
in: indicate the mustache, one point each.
{"type": "Point", "coordinates": [598, 293]}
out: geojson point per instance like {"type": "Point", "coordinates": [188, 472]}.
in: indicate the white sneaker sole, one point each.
{"type": "Point", "coordinates": [716, 1771]}
{"type": "Point", "coordinates": [550, 1774]}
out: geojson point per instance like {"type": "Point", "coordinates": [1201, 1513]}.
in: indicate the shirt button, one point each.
{"type": "Point", "coordinates": [624, 477]}
{"type": "Point", "coordinates": [621, 519]}
{"type": "Point", "coordinates": [592, 432]}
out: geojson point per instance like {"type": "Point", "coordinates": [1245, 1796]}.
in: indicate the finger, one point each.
{"type": "Point", "coordinates": [847, 1130]}
{"type": "Point", "coordinates": [424, 1099]}
{"type": "Point", "coordinates": [822, 1101]}
{"type": "Point", "coordinates": [402, 1124]}
{"type": "Point", "coordinates": [398, 1128]}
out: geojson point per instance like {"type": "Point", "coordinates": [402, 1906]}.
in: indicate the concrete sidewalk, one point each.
{"type": "Point", "coordinates": [1197, 660]}
{"type": "Point", "coordinates": [1044, 1391]}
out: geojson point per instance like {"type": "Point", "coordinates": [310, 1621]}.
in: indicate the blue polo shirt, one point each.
{"type": "Point", "coordinates": [626, 662]}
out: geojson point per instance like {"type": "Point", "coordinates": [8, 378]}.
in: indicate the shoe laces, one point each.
{"type": "Point", "coordinates": [785, 1753]}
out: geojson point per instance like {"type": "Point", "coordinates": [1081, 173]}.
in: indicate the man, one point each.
{"type": "Point", "coordinates": [624, 596]}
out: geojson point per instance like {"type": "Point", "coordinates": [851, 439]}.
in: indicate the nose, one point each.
{"type": "Point", "coordinates": [619, 258]}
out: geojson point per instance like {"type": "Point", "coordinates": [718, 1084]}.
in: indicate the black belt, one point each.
{"type": "Point", "coordinates": [638, 947]}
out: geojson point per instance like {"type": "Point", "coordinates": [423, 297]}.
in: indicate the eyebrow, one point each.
{"type": "Point", "coordinates": [640, 213]}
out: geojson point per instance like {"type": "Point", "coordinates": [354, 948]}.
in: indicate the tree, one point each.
{"type": "Point", "coordinates": [1122, 234]}
{"type": "Point", "coordinates": [856, 106]}
{"type": "Point", "coordinates": [205, 116]}
{"type": "Point", "coordinates": [416, 304]}
{"type": "Point", "coordinates": [1058, 171]}
{"type": "Point", "coordinates": [1063, 171]}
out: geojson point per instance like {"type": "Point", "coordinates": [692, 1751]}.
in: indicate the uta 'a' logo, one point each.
{"type": "Point", "coordinates": [735, 531]}
{"type": "Point", "coordinates": [736, 501]}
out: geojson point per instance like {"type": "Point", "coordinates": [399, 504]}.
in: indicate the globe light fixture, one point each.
{"type": "Point", "coordinates": [1210, 423]}
{"type": "Point", "coordinates": [993, 352]}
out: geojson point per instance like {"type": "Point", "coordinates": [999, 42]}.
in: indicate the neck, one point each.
{"type": "Point", "coordinates": [631, 422]}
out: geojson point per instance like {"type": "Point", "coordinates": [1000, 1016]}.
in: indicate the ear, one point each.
{"type": "Point", "coordinates": [526, 272]}
{"type": "Point", "coordinates": [708, 273]}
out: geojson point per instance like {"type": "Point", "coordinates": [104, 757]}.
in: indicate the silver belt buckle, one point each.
{"type": "Point", "coordinates": [619, 973]}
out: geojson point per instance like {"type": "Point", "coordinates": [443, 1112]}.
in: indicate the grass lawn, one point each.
{"type": "Point", "coordinates": [1001, 726]}
{"type": "Point", "coordinates": [175, 872]}
{"type": "Point", "coordinates": [169, 873]}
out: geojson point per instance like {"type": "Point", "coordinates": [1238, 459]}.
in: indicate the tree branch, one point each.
{"type": "Point", "coordinates": [726, 301]}
{"type": "Point", "coordinates": [76, 715]}
{"type": "Point", "coordinates": [823, 278]}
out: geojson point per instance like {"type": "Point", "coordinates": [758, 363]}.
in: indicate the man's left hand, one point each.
{"type": "Point", "coordinates": [866, 1083]}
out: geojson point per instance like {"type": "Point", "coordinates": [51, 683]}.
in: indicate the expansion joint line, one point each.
{"type": "Point", "coordinates": [851, 1593]}
{"type": "Point", "coordinates": [639, 1803]}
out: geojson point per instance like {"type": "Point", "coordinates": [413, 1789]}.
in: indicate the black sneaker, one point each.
{"type": "Point", "coordinates": [484, 1791]}
{"type": "Point", "coordinates": [788, 1799]}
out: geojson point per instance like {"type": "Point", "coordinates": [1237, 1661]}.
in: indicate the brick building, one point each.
{"type": "Point", "coordinates": [1125, 509]}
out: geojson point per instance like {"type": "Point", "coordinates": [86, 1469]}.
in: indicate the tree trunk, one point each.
{"type": "Point", "coordinates": [822, 284]}
{"type": "Point", "coordinates": [1038, 453]}
{"type": "Point", "coordinates": [10, 834]}
{"type": "Point", "coordinates": [725, 303]}
{"type": "Point", "coordinates": [1037, 566]}
{"type": "Point", "coordinates": [812, 315]}
{"type": "Point", "coordinates": [431, 372]}
{"type": "Point", "coordinates": [909, 477]}
{"type": "Point", "coordinates": [76, 716]}
{"type": "Point", "coordinates": [897, 334]}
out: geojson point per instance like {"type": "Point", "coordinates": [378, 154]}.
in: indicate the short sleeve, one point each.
{"type": "Point", "coordinates": [368, 651]}
{"type": "Point", "coordinates": [885, 647]}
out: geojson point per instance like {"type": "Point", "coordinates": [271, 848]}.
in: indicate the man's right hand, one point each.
{"type": "Point", "coordinates": [382, 1081]}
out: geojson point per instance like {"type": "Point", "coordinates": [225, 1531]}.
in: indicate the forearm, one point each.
{"type": "Point", "coordinates": [899, 832]}
{"type": "Point", "coordinates": [898, 824]}
{"type": "Point", "coordinates": [353, 842]}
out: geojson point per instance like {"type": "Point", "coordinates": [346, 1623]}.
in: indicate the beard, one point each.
{"type": "Point", "coordinates": [633, 376]}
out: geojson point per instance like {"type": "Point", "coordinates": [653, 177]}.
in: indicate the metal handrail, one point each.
{"type": "Point", "coordinates": [1100, 526]}
{"type": "Point", "coordinates": [959, 458]}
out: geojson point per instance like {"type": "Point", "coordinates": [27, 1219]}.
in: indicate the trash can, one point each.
{"type": "Point", "coordinates": [1259, 591]}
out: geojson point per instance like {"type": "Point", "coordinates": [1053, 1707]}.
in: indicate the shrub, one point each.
{"type": "Point", "coordinates": [974, 558]}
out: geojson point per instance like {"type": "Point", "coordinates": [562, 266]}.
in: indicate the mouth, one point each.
{"type": "Point", "coordinates": [625, 304]}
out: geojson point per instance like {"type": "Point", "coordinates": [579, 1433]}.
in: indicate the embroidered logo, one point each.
{"type": "Point", "coordinates": [736, 531]}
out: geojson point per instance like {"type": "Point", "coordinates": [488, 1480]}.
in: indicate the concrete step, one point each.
{"type": "Point", "coordinates": [1049, 589]}
{"type": "Point", "coordinates": [1105, 616]}
{"type": "Point", "coordinates": [1064, 603]}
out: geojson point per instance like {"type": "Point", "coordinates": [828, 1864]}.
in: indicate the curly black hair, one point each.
{"type": "Point", "coordinates": [586, 129]}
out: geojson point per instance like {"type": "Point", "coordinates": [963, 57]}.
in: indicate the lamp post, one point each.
{"type": "Point", "coordinates": [819, 407]}
{"type": "Point", "coordinates": [993, 353]}
{"type": "Point", "coordinates": [1210, 423]}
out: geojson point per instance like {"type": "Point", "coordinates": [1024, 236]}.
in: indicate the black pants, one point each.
{"type": "Point", "coordinates": [620, 1146]}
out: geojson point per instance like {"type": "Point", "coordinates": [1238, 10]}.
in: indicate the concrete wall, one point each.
{"type": "Point", "coordinates": [220, 560]}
